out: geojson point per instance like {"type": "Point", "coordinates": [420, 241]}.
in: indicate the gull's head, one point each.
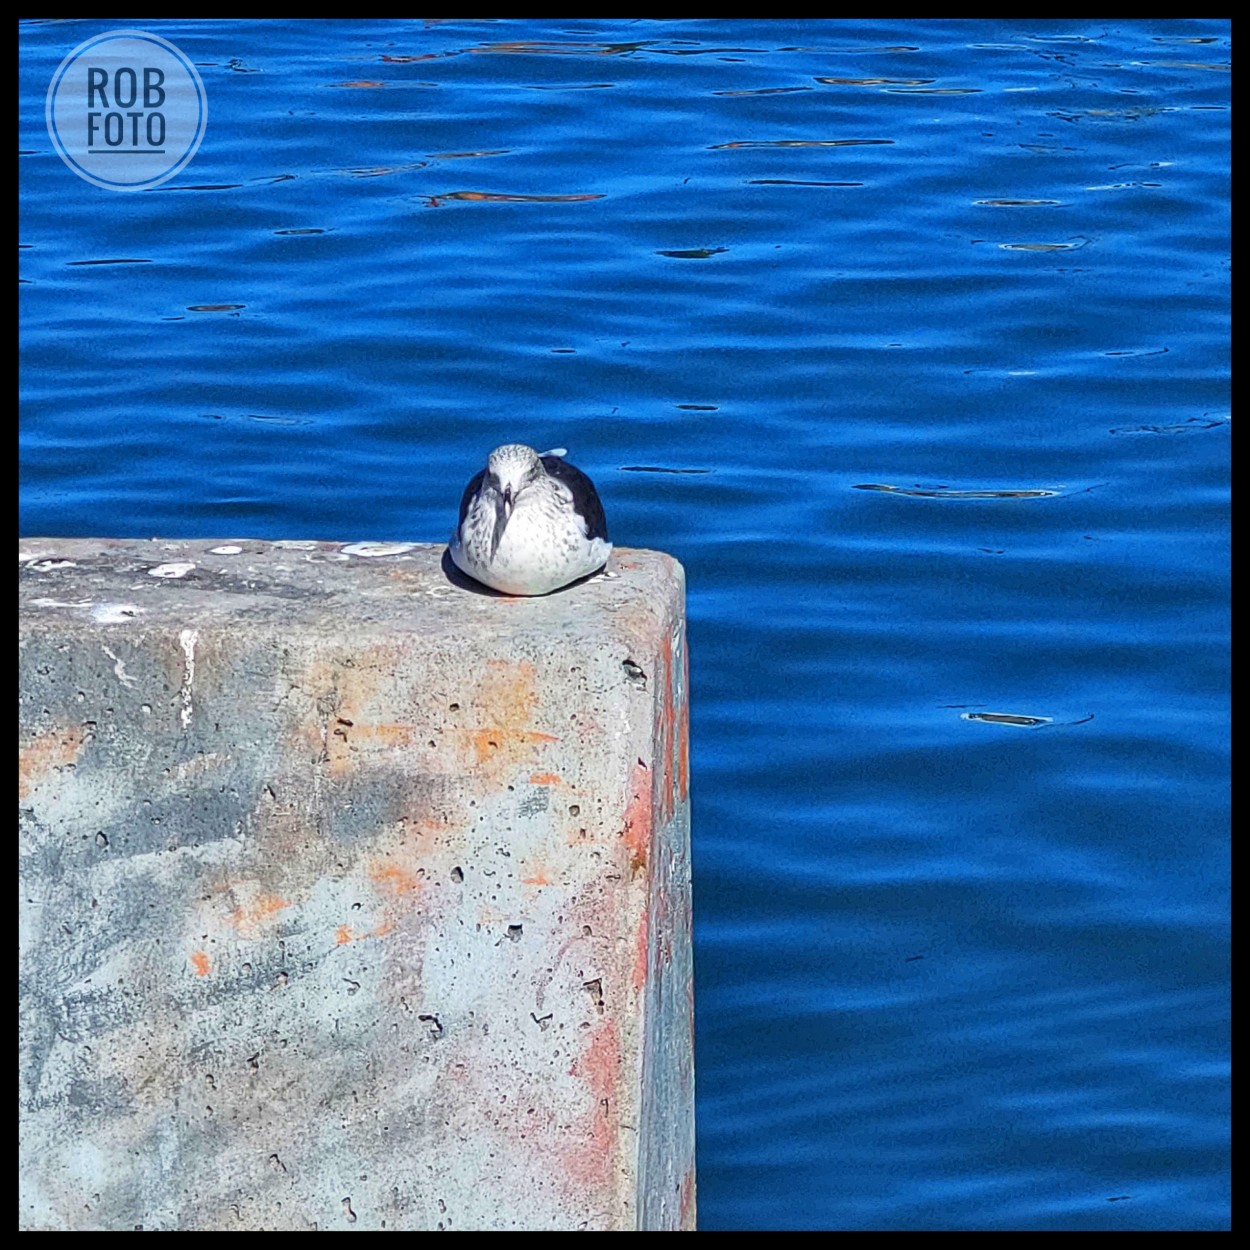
{"type": "Point", "coordinates": [511, 468]}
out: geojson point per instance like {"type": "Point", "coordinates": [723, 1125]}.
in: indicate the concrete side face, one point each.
{"type": "Point", "coordinates": [350, 898]}
{"type": "Point", "coordinates": [666, 1189]}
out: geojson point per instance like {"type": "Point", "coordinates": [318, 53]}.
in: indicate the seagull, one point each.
{"type": "Point", "coordinates": [529, 523]}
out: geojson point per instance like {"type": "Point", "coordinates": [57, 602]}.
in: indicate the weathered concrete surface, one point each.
{"type": "Point", "coordinates": [350, 897]}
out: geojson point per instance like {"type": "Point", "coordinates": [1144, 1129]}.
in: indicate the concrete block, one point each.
{"type": "Point", "coordinates": [349, 897]}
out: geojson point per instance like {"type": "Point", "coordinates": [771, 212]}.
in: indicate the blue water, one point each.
{"type": "Point", "coordinates": [953, 972]}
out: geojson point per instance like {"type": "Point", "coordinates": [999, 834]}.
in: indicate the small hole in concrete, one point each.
{"type": "Point", "coordinates": [634, 674]}
{"type": "Point", "coordinates": [595, 989]}
{"type": "Point", "coordinates": [575, 809]}
{"type": "Point", "coordinates": [457, 876]}
{"type": "Point", "coordinates": [514, 932]}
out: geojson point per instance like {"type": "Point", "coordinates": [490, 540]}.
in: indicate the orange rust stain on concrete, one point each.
{"type": "Point", "coordinates": [669, 735]}
{"type": "Point", "coordinates": [392, 879]}
{"type": "Point", "coordinates": [248, 917]}
{"type": "Point", "coordinates": [505, 701]}
{"type": "Point", "coordinates": [199, 961]}
{"type": "Point", "coordinates": [391, 734]}
{"type": "Point", "coordinates": [488, 744]}
{"type": "Point", "coordinates": [430, 826]}
{"type": "Point", "coordinates": [538, 878]}
{"type": "Point", "coordinates": [686, 1201]}
{"type": "Point", "coordinates": [545, 779]}
{"type": "Point", "coordinates": [638, 817]}
{"type": "Point", "coordinates": [589, 1159]}
{"type": "Point", "coordinates": [507, 692]}
{"type": "Point", "coordinates": [351, 686]}
{"type": "Point", "coordinates": [683, 758]}
{"type": "Point", "coordinates": [46, 752]}
{"type": "Point", "coordinates": [345, 934]}
{"type": "Point", "coordinates": [641, 949]}
{"type": "Point", "coordinates": [600, 1063]}
{"type": "Point", "coordinates": [348, 745]}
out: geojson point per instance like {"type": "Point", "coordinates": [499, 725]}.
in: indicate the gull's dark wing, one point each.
{"type": "Point", "coordinates": [469, 492]}
{"type": "Point", "coordinates": [585, 497]}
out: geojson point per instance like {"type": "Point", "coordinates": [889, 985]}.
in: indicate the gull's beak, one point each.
{"type": "Point", "coordinates": [503, 510]}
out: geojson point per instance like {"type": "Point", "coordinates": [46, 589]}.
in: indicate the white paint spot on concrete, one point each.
{"type": "Point", "coordinates": [180, 568]}
{"type": "Point", "coordinates": [60, 603]}
{"type": "Point", "coordinates": [291, 544]}
{"type": "Point", "coordinates": [47, 566]}
{"type": "Point", "coordinates": [226, 551]}
{"type": "Point", "coordinates": [188, 638]}
{"type": "Point", "coordinates": [119, 668]}
{"type": "Point", "coordinates": [378, 549]}
{"type": "Point", "coordinates": [114, 613]}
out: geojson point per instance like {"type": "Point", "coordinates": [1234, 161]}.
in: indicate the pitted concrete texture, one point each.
{"type": "Point", "coordinates": [351, 897]}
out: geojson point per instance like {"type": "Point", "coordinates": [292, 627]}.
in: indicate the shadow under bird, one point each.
{"type": "Point", "coordinates": [529, 524]}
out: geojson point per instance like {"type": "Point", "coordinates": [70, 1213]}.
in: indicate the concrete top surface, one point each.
{"type": "Point", "coordinates": [315, 585]}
